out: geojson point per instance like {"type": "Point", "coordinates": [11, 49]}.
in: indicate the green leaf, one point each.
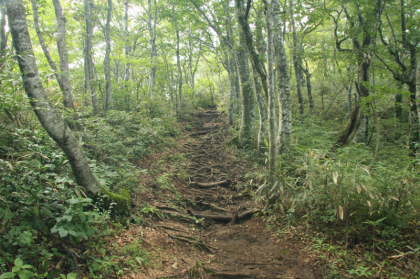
{"type": "Point", "coordinates": [7, 275]}
{"type": "Point", "coordinates": [266, 143]}
{"type": "Point", "coordinates": [26, 266]}
{"type": "Point", "coordinates": [72, 275]}
{"type": "Point", "coordinates": [16, 268]}
{"type": "Point", "coordinates": [18, 262]}
{"type": "Point", "coordinates": [63, 232]}
{"type": "Point", "coordinates": [74, 201]}
{"type": "Point", "coordinates": [25, 274]}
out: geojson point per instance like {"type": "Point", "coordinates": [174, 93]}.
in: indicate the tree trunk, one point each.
{"type": "Point", "coordinates": [64, 56]}
{"type": "Point", "coordinates": [262, 110]}
{"type": "Point", "coordinates": [151, 25]}
{"type": "Point", "coordinates": [232, 92]}
{"type": "Point", "coordinates": [3, 35]}
{"type": "Point", "coordinates": [52, 122]}
{"type": "Point", "coordinates": [107, 61]}
{"type": "Point", "coordinates": [271, 96]}
{"type": "Point", "coordinates": [418, 89]}
{"type": "Point", "coordinates": [309, 89]}
{"type": "Point", "coordinates": [414, 119]}
{"type": "Point", "coordinates": [283, 82]}
{"type": "Point", "coordinates": [178, 62]}
{"type": "Point", "coordinates": [248, 114]}
{"type": "Point", "coordinates": [296, 60]}
{"type": "Point", "coordinates": [356, 116]}
{"type": "Point", "coordinates": [237, 107]}
{"type": "Point", "coordinates": [247, 41]}
{"type": "Point", "coordinates": [88, 58]}
{"type": "Point", "coordinates": [44, 47]}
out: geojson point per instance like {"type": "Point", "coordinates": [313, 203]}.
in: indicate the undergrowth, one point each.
{"type": "Point", "coordinates": [358, 207]}
{"type": "Point", "coordinates": [47, 221]}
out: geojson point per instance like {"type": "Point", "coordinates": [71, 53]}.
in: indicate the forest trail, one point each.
{"type": "Point", "coordinates": [214, 230]}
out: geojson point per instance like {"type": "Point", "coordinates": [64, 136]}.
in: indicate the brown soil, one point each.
{"type": "Point", "coordinates": [216, 231]}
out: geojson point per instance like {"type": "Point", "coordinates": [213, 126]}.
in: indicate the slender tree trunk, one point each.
{"type": "Point", "coordinates": [414, 119]}
{"type": "Point", "coordinates": [418, 90]}
{"type": "Point", "coordinates": [283, 82]}
{"type": "Point", "coordinates": [271, 96]}
{"type": "Point", "coordinates": [231, 69]}
{"type": "Point", "coordinates": [296, 60]}
{"type": "Point", "coordinates": [356, 116]}
{"type": "Point", "coordinates": [349, 92]}
{"type": "Point", "coordinates": [52, 122]}
{"type": "Point", "coordinates": [262, 110]}
{"type": "Point", "coordinates": [107, 61]}
{"type": "Point", "coordinates": [178, 62]}
{"type": "Point", "coordinates": [88, 58]}
{"type": "Point", "coordinates": [151, 25]}
{"type": "Point", "coordinates": [247, 94]}
{"type": "Point", "coordinates": [63, 53]}
{"type": "Point", "coordinates": [398, 104]}
{"type": "Point", "coordinates": [247, 41]}
{"type": "Point", "coordinates": [309, 89]}
{"type": "Point", "coordinates": [58, 76]}
{"type": "Point", "coordinates": [232, 92]}
{"type": "Point", "coordinates": [3, 35]}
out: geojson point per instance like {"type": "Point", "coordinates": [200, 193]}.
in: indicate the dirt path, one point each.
{"type": "Point", "coordinates": [217, 233]}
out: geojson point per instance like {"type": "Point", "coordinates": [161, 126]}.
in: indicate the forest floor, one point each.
{"type": "Point", "coordinates": [202, 223]}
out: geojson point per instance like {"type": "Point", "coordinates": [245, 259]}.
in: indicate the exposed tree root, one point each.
{"type": "Point", "coordinates": [225, 218]}
{"type": "Point", "coordinates": [224, 183]}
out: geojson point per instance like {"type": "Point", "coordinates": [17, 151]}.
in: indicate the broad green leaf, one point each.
{"type": "Point", "coordinates": [18, 262]}
{"type": "Point", "coordinates": [25, 274]}
{"type": "Point", "coordinates": [7, 275]}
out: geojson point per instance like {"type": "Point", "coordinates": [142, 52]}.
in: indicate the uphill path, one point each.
{"type": "Point", "coordinates": [206, 225]}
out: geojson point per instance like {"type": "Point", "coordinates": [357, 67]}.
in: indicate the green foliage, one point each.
{"type": "Point", "coordinates": [356, 196]}
{"type": "Point", "coordinates": [20, 269]}
{"type": "Point", "coordinates": [75, 221]}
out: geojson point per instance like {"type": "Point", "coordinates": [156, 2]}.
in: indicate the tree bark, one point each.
{"type": "Point", "coordinates": [418, 88]}
{"type": "Point", "coordinates": [309, 89]}
{"type": "Point", "coordinates": [3, 35]}
{"type": "Point", "coordinates": [283, 83]}
{"type": "Point", "coordinates": [151, 25]}
{"type": "Point", "coordinates": [88, 58]}
{"type": "Point", "coordinates": [178, 62]}
{"type": "Point", "coordinates": [232, 92]}
{"type": "Point", "coordinates": [248, 114]}
{"type": "Point", "coordinates": [61, 83]}
{"type": "Point", "coordinates": [107, 61]}
{"type": "Point", "coordinates": [246, 37]}
{"type": "Point", "coordinates": [52, 122]}
{"type": "Point", "coordinates": [356, 116]}
{"type": "Point", "coordinates": [296, 60]}
{"type": "Point", "coordinates": [271, 96]}
{"type": "Point", "coordinates": [262, 111]}
{"type": "Point", "coordinates": [64, 56]}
